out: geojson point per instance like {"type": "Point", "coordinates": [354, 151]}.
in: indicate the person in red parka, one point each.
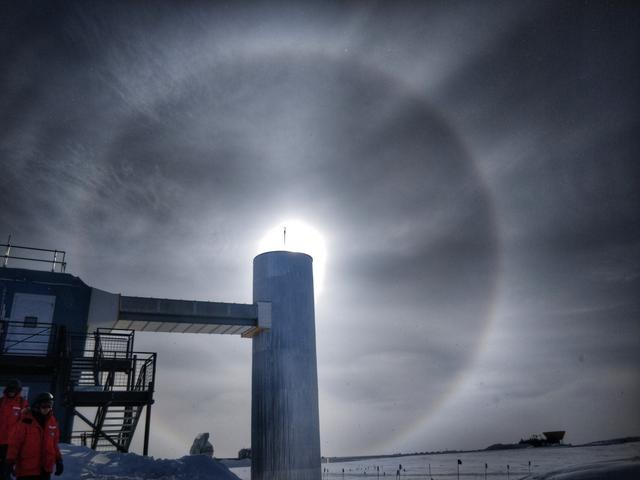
{"type": "Point", "coordinates": [33, 447]}
{"type": "Point", "coordinates": [11, 406]}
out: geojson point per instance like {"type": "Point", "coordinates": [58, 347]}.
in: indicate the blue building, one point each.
{"type": "Point", "coordinates": [100, 384]}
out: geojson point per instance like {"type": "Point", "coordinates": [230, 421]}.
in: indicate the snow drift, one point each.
{"type": "Point", "coordinates": [81, 463]}
{"type": "Point", "coordinates": [628, 469]}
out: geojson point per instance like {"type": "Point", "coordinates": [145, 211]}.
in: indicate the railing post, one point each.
{"type": "Point", "coordinates": [130, 343]}
{"type": "Point", "coordinates": [147, 426]}
{"type": "Point", "coordinates": [132, 374]}
{"type": "Point", "coordinates": [7, 252]}
{"type": "Point", "coordinates": [153, 374]}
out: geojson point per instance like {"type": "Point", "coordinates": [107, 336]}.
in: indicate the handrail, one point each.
{"type": "Point", "coordinates": [18, 342]}
{"type": "Point", "coordinates": [55, 263]}
{"type": "Point", "coordinates": [116, 373]}
{"type": "Point", "coordinates": [142, 381]}
{"type": "Point", "coordinates": [18, 339]}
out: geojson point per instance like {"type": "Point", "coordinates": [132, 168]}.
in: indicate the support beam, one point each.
{"type": "Point", "coordinates": [147, 428]}
{"type": "Point", "coordinates": [97, 430]}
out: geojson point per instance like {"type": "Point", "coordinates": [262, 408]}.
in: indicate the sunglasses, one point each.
{"type": "Point", "coordinates": [44, 406]}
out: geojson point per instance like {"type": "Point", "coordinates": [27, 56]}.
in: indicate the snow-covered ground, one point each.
{"type": "Point", "coordinates": [608, 470]}
{"type": "Point", "coordinates": [81, 463]}
{"type": "Point", "coordinates": [612, 462]}
{"type": "Point", "coordinates": [579, 463]}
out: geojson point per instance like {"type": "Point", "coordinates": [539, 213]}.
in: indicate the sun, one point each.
{"type": "Point", "coordinates": [298, 236]}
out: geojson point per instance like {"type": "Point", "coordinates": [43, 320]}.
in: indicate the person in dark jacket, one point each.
{"type": "Point", "coordinates": [11, 406]}
{"type": "Point", "coordinates": [33, 447]}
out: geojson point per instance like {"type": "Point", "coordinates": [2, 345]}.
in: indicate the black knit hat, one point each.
{"type": "Point", "coordinates": [13, 385]}
{"type": "Point", "coordinates": [45, 397]}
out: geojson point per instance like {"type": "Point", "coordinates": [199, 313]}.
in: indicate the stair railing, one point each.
{"type": "Point", "coordinates": [117, 368]}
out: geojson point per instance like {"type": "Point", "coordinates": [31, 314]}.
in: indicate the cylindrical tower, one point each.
{"type": "Point", "coordinates": [285, 427]}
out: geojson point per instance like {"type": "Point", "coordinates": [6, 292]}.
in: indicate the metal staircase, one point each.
{"type": "Point", "coordinates": [116, 383]}
{"type": "Point", "coordinates": [82, 372]}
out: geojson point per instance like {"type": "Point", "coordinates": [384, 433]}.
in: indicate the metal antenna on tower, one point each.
{"type": "Point", "coordinates": [285, 236]}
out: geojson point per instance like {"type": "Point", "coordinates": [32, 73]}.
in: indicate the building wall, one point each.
{"type": "Point", "coordinates": [72, 294]}
{"type": "Point", "coordinates": [72, 298]}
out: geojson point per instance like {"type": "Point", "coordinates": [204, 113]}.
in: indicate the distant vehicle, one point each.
{"type": "Point", "coordinates": [554, 437]}
{"type": "Point", "coordinates": [550, 438]}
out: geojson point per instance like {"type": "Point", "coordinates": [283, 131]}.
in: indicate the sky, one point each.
{"type": "Point", "coordinates": [470, 169]}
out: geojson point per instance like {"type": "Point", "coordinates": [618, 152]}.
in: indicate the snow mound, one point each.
{"type": "Point", "coordinates": [81, 463]}
{"type": "Point", "coordinates": [628, 469]}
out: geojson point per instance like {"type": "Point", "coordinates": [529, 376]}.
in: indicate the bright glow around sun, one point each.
{"type": "Point", "coordinates": [300, 237]}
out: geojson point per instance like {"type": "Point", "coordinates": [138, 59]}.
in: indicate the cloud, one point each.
{"type": "Point", "coordinates": [472, 170]}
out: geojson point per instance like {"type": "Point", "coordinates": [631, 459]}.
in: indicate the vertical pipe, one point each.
{"type": "Point", "coordinates": [285, 432]}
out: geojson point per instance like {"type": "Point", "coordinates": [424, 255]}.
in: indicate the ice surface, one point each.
{"type": "Point", "coordinates": [615, 462]}
{"type": "Point", "coordinates": [610, 470]}
{"type": "Point", "coordinates": [83, 463]}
